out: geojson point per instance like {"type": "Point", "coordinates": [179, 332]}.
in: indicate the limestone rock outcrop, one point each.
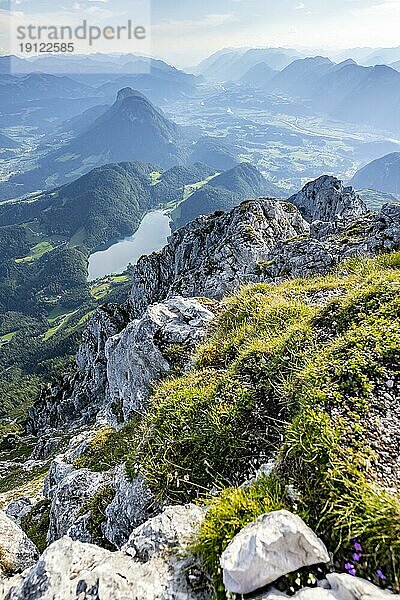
{"type": "Point", "coordinates": [150, 568]}
{"type": "Point", "coordinates": [131, 506]}
{"type": "Point", "coordinates": [139, 355]}
{"type": "Point", "coordinates": [212, 256]}
{"type": "Point", "coordinates": [326, 199]}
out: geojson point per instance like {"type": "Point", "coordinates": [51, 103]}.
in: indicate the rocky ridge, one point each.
{"type": "Point", "coordinates": [126, 349]}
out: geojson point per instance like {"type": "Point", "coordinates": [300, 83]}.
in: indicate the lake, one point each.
{"type": "Point", "coordinates": [151, 235]}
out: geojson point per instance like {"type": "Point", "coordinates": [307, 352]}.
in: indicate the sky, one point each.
{"type": "Point", "coordinates": [186, 31]}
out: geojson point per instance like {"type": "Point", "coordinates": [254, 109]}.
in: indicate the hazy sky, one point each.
{"type": "Point", "coordinates": [185, 31]}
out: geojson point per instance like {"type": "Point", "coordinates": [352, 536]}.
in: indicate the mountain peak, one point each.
{"type": "Point", "coordinates": [327, 199]}
{"type": "Point", "coordinates": [128, 92]}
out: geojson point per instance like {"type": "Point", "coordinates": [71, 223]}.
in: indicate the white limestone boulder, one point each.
{"type": "Point", "coordinates": [272, 546]}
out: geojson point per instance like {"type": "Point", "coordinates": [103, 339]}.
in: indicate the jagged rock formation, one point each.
{"type": "Point", "coordinates": [260, 240]}
{"type": "Point", "coordinates": [214, 255]}
{"type": "Point", "coordinates": [326, 199]}
{"type": "Point", "coordinates": [126, 349]}
{"type": "Point", "coordinates": [368, 235]}
{"type": "Point", "coordinates": [117, 364]}
{"type": "Point", "coordinates": [67, 400]}
{"type": "Point", "coordinates": [68, 500]}
{"type": "Point", "coordinates": [17, 509]}
{"type": "Point", "coordinates": [139, 354]}
{"type": "Point", "coordinates": [148, 567]}
{"type": "Point", "coordinates": [69, 490]}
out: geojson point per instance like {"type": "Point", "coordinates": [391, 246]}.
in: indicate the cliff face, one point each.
{"type": "Point", "coordinates": [213, 255]}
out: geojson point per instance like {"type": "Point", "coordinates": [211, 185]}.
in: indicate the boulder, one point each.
{"type": "Point", "coordinates": [272, 546]}
{"type": "Point", "coordinates": [138, 356]}
{"type": "Point", "coordinates": [175, 527]}
{"type": "Point", "coordinates": [129, 508]}
{"type": "Point", "coordinates": [17, 552]}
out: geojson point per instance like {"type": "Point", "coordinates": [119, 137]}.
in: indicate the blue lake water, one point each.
{"type": "Point", "coordinates": [151, 235]}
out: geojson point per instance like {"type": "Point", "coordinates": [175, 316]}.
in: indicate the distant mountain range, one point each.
{"type": "Point", "coordinates": [370, 56]}
{"type": "Point", "coordinates": [132, 129]}
{"type": "Point", "coordinates": [97, 75]}
{"type": "Point", "coordinates": [42, 92]}
{"type": "Point", "coordinates": [232, 64]}
{"type": "Point", "coordinates": [382, 174]}
{"type": "Point", "coordinates": [39, 86]}
{"type": "Point", "coordinates": [346, 91]}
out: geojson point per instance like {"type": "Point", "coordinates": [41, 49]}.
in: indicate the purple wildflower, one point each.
{"type": "Point", "coordinates": [357, 546]}
{"type": "Point", "coordinates": [381, 575]}
{"type": "Point", "coordinates": [350, 569]}
{"type": "Point", "coordinates": [357, 556]}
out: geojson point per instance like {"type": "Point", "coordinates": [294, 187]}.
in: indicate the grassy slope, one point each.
{"type": "Point", "coordinates": [291, 371]}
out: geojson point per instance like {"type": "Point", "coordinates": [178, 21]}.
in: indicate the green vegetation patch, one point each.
{"type": "Point", "coordinates": [36, 252]}
{"type": "Point", "coordinates": [302, 362]}
{"type": "Point", "coordinates": [20, 477]}
{"type": "Point", "coordinates": [36, 524]}
{"type": "Point", "coordinates": [108, 448]}
{"type": "Point", "coordinates": [60, 322]}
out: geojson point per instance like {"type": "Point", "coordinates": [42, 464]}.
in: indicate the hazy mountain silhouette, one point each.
{"type": "Point", "coordinates": [131, 129]}
{"type": "Point", "coordinates": [382, 174]}
{"type": "Point", "coordinates": [259, 75]}
{"type": "Point", "coordinates": [232, 64]}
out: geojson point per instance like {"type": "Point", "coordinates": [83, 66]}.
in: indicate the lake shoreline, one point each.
{"type": "Point", "coordinates": [151, 235]}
